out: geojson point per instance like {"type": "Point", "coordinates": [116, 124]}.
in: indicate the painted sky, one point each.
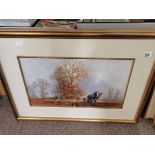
{"type": "Point", "coordinates": [103, 73]}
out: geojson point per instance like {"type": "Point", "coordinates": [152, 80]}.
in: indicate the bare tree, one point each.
{"type": "Point", "coordinates": [42, 85]}
{"type": "Point", "coordinates": [32, 92]}
{"type": "Point", "coordinates": [67, 76]}
{"type": "Point", "coordinates": [110, 93]}
{"type": "Point", "coordinates": [75, 70]}
{"type": "Point", "coordinates": [117, 95]}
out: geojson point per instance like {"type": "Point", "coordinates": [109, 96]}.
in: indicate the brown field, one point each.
{"type": "Point", "coordinates": [73, 103]}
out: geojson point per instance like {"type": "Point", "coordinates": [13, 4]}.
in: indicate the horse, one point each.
{"type": "Point", "coordinates": [92, 98]}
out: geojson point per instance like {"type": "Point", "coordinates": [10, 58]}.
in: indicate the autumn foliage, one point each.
{"type": "Point", "coordinates": [67, 76]}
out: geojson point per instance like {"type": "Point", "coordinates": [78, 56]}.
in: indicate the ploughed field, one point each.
{"type": "Point", "coordinates": [74, 103]}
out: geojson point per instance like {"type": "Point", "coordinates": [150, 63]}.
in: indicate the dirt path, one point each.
{"type": "Point", "coordinates": [56, 103]}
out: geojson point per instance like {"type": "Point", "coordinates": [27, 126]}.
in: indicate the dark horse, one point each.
{"type": "Point", "coordinates": [93, 97]}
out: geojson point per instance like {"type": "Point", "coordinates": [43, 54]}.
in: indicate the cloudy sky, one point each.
{"type": "Point", "coordinates": [103, 73]}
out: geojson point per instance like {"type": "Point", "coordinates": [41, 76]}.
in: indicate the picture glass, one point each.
{"type": "Point", "coordinates": [76, 82]}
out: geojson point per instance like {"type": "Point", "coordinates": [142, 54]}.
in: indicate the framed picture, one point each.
{"type": "Point", "coordinates": [76, 82]}
{"type": "Point", "coordinates": [77, 79]}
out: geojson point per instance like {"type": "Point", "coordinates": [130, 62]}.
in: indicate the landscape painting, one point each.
{"type": "Point", "coordinates": [76, 82]}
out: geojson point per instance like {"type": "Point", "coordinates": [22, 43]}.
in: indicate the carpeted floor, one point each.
{"type": "Point", "coordinates": [9, 125]}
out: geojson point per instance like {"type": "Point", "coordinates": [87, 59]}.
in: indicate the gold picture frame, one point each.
{"type": "Point", "coordinates": [80, 34]}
